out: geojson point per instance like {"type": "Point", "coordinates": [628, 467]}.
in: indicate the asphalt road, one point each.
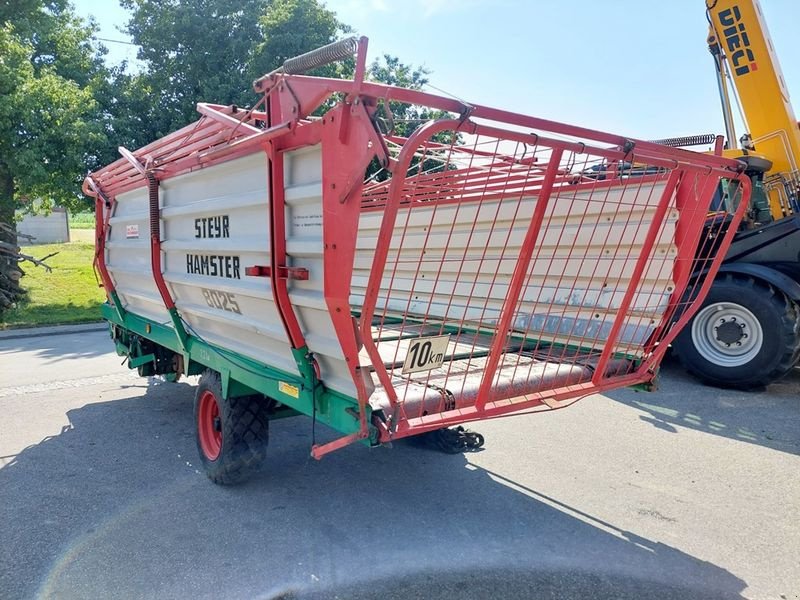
{"type": "Point", "coordinates": [688, 492]}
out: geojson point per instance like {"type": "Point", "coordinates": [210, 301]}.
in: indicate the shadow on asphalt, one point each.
{"type": "Point", "coordinates": [768, 417]}
{"type": "Point", "coordinates": [114, 506]}
{"type": "Point", "coordinates": [61, 346]}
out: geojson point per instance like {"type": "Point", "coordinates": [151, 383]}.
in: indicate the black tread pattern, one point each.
{"type": "Point", "coordinates": [245, 434]}
{"type": "Point", "coordinates": [787, 340]}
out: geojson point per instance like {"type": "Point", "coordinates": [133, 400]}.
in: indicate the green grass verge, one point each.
{"type": "Point", "coordinates": [68, 294]}
{"type": "Point", "coordinates": [81, 221]}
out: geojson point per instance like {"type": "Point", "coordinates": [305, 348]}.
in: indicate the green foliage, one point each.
{"type": "Point", "coordinates": [402, 119]}
{"type": "Point", "coordinates": [293, 27]}
{"type": "Point", "coordinates": [67, 294]}
{"type": "Point", "coordinates": [405, 118]}
{"type": "Point", "coordinates": [82, 220]}
{"type": "Point", "coordinates": [193, 51]}
{"type": "Point", "coordinates": [48, 120]}
{"type": "Point", "coordinates": [206, 51]}
{"type": "Point", "coordinates": [50, 128]}
{"type": "Point", "coordinates": [212, 50]}
{"type": "Point", "coordinates": [63, 112]}
{"type": "Point", "coordinates": [128, 107]}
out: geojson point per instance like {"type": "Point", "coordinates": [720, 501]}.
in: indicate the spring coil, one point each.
{"type": "Point", "coordinates": [155, 220]}
{"type": "Point", "coordinates": [689, 140]}
{"type": "Point", "coordinates": [321, 56]}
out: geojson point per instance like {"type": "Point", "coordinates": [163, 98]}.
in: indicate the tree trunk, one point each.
{"type": "Point", "coordinates": [10, 272]}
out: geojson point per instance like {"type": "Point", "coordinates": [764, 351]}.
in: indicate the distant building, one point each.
{"type": "Point", "coordinates": [47, 229]}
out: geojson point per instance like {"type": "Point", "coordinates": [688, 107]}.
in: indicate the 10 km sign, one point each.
{"type": "Point", "coordinates": [426, 353]}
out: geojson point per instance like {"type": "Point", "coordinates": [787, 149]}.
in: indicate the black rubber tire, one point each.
{"type": "Point", "coordinates": [245, 433]}
{"type": "Point", "coordinates": [779, 318]}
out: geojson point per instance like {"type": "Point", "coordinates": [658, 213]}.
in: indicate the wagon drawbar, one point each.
{"type": "Point", "coordinates": [304, 257]}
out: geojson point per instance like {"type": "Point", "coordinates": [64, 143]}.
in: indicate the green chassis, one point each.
{"type": "Point", "coordinates": [242, 376]}
{"type": "Point", "coordinates": [297, 394]}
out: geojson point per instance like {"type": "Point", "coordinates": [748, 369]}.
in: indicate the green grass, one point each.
{"type": "Point", "coordinates": [81, 221]}
{"type": "Point", "coordinates": [68, 294]}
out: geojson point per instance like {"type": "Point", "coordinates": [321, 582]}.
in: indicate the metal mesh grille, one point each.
{"type": "Point", "coordinates": [518, 270]}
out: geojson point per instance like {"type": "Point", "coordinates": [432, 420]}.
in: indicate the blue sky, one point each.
{"type": "Point", "coordinates": [630, 67]}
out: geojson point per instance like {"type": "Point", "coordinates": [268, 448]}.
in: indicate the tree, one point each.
{"type": "Point", "coordinates": [192, 51]}
{"type": "Point", "coordinates": [48, 119]}
{"type": "Point", "coordinates": [211, 51]}
{"type": "Point", "coordinates": [63, 112]}
{"type": "Point", "coordinates": [128, 112]}
{"type": "Point", "coordinates": [11, 251]}
{"type": "Point", "coordinates": [405, 117]}
{"type": "Point", "coordinates": [402, 119]}
{"type": "Point", "coordinates": [293, 27]}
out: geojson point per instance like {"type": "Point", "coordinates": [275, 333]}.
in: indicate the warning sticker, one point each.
{"type": "Point", "coordinates": [132, 232]}
{"type": "Point", "coordinates": [289, 389]}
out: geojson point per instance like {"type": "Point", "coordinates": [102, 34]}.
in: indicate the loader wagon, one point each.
{"type": "Point", "coordinates": [389, 277]}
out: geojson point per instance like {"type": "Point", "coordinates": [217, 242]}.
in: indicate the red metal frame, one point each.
{"type": "Point", "coordinates": [397, 192]}
{"type": "Point", "coordinates": [155, 245]}
{"type": "Point", "coordinates": [641, 263]}
{"type": "Point", "coordinates": [102, 213]}
{"type": "Point", "coordinates": [296, 273]}
{"type": "Point", "coordinates": [277, 236]}
{"type": "Point", "coordinates": [518, 279]}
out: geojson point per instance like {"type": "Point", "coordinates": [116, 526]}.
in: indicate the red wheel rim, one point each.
{"type": "Point", "coordinates": [209, 431]}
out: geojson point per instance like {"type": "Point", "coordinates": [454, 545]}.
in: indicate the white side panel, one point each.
{"type": "Point", "coordinates": [303, 181]}
{"type": "Point", "coordinates": [215, 223]}
{"type": "Point", "coordinates": [457, 261]}
{"type": "Point", "coordinates": [128, 256]}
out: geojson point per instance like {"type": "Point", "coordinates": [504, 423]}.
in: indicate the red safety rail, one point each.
{"type": "Point", "coordinates": [554, 266]}
{"type": "Point", "coordinates": [486, 262]}
{"type": "Point", "coordinates": [556, 261]}
{"type": "Point", "coordinates": [223, 133]}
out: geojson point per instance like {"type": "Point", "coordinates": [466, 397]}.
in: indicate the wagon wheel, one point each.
{"type": "Point", "coordinates": [232, 433]}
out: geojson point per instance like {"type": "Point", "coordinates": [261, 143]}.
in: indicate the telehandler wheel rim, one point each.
{"type": "Point", "coordinates": [727, 334]}
{"type": "Point", "coordinates": [209, 431]}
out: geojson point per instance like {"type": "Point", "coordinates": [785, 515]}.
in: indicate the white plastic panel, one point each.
{"type": "Point", "coordinates": [215, 224]}
{"type": "Point", "coordinates": [457, 261]}
{"type": "Point", "coordinates": [128, 256]}
{"type": "Point", "coordinates": [303, 193]}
